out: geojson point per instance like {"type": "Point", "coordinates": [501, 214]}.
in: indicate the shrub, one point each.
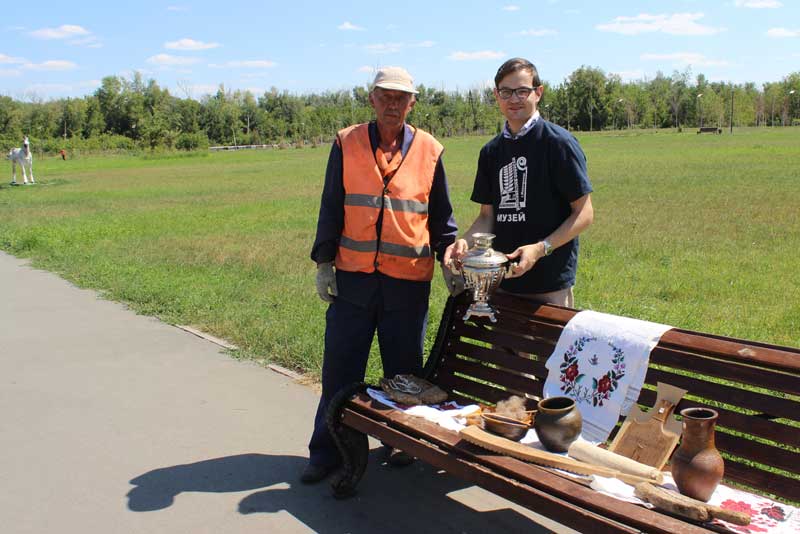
{"type": "Point", "coordinates": [191, 141]}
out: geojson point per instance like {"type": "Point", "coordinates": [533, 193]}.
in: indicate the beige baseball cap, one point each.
{"type": "Point", "coordinates": [395, 78]}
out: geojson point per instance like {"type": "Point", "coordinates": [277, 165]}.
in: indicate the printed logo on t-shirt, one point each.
{"type": "Point", "coordinates": [513, 188]}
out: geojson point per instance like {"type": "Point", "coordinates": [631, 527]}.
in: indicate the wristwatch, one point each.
{"type": "Point", "coordinates": [548, 247]}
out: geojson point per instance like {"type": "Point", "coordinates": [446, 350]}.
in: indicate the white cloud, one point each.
{"type": "Point", "coordinates": [62, 32]}
{"type": "Point", "coordinates": [368, 69]}
{"type": "Point", "coordinates": [50, 89]}
{"type": "Point", "coordinates": [511, 7]}
{"type": "Point", "coordinates": [349, 26]}
{"type": "Point", "coordinates": [9, 60]}
{"type": "Point", "coordinates": [782, 32]}
{"type": "Point", "coordinates": [672, 24]}
{"type": "Point", "coordinates": [166, 60]}
{"type": "Point", "coordinates": [680, 59]}
{"type": "Point", "coordinates": [245, 64]}
{"type": "Point", "coordinates": [90, 42]}
{"type": "Point", "coordinates": [384, 48]}
{"type": "Point", "coordinates": [538, 33]}
{"type": "Point", "coordinates": [51, 65]}
{"type": "Point", "coordinates": [8, 73]}
{"type": "Point", "coordinates": [189, 44]}
{"type": "Point", "coordinates": [392, 48]}
{"type": "Point", "coordinates": [759, 4]}
{"type": "Point", "coordinates": [473, 56]}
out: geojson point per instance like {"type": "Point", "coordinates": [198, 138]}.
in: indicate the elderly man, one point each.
{"type": "Point", "coordinates": [385, 211]}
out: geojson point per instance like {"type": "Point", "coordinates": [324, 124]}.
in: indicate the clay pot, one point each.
{"type": "Point", "coordinates": [697, 466]}
{"type": "Point", "coordinates": [558, 423]}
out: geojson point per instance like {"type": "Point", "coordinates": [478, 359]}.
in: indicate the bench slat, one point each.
{"type": "Point", "coordinates": [764, 481]}
{"type": "Point", "coordinates": [747, 374]}
{"type": "Point", "coordinates": [499, 356]}
{"type": "Point", "coordinates": [522, 344]}
{"type": "Point", "coordinates": [758, 452]}
{"type": "Point", "coordinates": [751, 400]}
{"type": "Point", "coordinates": [479, 392]}
{"type": "Point", "coordinates": [752, 352]}
{"type": "Point", "coordinates": [497, 376]}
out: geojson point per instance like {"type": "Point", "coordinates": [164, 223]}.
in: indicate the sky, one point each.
{"type": "Point", "coordinates": [56, 49]}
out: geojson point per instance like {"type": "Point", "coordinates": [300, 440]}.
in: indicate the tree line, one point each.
{"type": "Point", "coordinates": [128, 114]}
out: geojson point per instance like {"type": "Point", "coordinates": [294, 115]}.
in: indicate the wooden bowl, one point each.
{"type": "Point", "coordinates": [506, 427]}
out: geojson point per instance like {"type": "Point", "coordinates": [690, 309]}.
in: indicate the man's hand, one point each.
{"type": "Point", "coordinates": [455, 252]}
{"type": "Point", "coordinates": [526, 257]}
{"type": "Point", "coordinates": [326, 281]}
{"type": "Point", "coordinates": [454, 282]}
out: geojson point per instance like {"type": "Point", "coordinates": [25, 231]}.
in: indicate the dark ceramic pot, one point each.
{"type": "Point", "coordinates": [558, 423]}
{"type": "Point", "coordinates": [697, 466]}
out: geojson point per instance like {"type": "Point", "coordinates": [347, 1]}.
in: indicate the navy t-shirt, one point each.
{"type": "Point", "coordinates": [530, 181]}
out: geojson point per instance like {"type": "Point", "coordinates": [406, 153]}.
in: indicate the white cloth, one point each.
{"type": "Point", "coordinates": [449, 415]}
{"type": "Point", "coordinates": [766, 516]}
{"type": "Point", "coordinates": [601, 361]}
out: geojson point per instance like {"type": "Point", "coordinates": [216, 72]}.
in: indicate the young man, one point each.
{"type": "Point", "coordinates": [534, 192]}
{"type": "Point", "coordinates": [385, 212]}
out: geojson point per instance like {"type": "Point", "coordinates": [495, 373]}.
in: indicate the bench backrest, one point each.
{"type": "Point", "coordinates": [754, 387]}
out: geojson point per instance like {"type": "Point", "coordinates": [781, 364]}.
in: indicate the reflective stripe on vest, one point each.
{"type": "Point", "coordinates": [402, 250]}
{"type": "Point", "coordinates": [389, 203]}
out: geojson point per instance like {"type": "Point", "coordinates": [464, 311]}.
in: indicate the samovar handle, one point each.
{"type": "Point", "coordinates": [451, 264]}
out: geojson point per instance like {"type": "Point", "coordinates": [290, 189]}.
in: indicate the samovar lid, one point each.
{"type": "Point", "coordinates": [482, 256]}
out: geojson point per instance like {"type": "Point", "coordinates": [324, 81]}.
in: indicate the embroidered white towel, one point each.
{"type": "Point", "coordinates": [601, 361]}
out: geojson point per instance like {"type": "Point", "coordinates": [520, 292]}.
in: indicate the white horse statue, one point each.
{"type": "Point", "coordinates": [22, 157]}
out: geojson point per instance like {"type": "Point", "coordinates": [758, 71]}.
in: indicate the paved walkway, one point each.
{"type": "Point", "coordinates": [112, 422]}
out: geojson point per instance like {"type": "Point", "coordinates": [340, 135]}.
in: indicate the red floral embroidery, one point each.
{"type": "Point", "coordinates": [604, 384]}
{"type": "Point", "coordinates": [774, 512]}
{"type": "Point", "coordinates": [571, 372]}
{"type": "Point", "coordinates": [738, 506]}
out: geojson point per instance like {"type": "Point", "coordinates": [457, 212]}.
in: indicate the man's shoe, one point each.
{"type": "Point", "coordinates": [315, 473]}
{"type": "Point", "coordinates": [398, 458]}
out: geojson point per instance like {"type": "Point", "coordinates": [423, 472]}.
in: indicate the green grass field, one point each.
{"type": "Point", "coordinates": [696, 231]}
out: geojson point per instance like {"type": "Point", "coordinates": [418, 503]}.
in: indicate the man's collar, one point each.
{"type": "Point", "coordinates": [527, 127]}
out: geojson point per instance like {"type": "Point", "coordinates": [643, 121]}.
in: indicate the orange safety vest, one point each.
{"type": "Point", "coordinates": [401, 248]}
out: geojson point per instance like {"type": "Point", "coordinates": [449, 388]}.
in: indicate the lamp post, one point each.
{"type": "Point", "coordinates": [791, 99]}
{"type": "Point", "coordinates": [700, 104]}
{"type": "Point", "coordinates": [619, 101]}
{"type": "Point", "coordinates": [547, 112]}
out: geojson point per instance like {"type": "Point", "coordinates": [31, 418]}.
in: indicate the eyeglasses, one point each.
{"type": "Point", "coordinates": [522, 92]}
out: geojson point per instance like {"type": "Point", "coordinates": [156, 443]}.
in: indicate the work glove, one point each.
{"type": "Point", "coordinates": [326, 281]}
{"type": "Point", "coordinates": [453, 282]}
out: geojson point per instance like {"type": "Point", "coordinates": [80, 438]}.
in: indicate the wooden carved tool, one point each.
{"type": "Point", "coordinates": [684, 506]}
{"type": "Point", "coordinates": [480, 437]}
{"type": "Point", "coordinates": [650, 438]}
{"type": "Point", "coordinates": [591, 454]}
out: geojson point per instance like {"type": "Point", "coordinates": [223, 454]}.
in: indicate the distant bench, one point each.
{"type": "Point", "coordinates": [709, 129]}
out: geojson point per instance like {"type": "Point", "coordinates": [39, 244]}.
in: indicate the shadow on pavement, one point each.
{"type": "Point", "coordinates": [389, 500]}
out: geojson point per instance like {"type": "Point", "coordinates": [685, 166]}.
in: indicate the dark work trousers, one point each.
{"type": "Point", "coordinates": [349, 331]}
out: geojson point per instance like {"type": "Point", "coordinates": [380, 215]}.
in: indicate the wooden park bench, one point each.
{"type": "Point", "coordinates": [709, 129]}
{"type": "Point", "coordinates": [755, 388]}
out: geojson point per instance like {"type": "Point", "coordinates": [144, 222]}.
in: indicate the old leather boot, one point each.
{"type": "Point", "coordinates": [398, 458]}
{"type": "Point", "coordinates": [315, 473]}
